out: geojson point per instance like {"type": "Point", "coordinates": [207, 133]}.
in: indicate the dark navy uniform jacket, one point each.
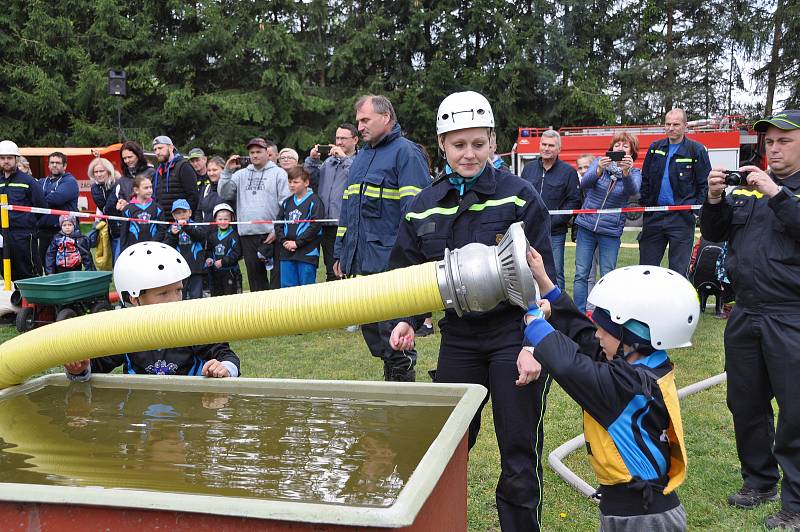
{"type": "Point", "coordinates": [763, 234]}
{"type": "Point", "coordinates": [21, 189]}
{"type": "Point", "coordinates": [439, 218]}
{"type": "Point", "coordinates": [558, 187]}
{"type": "Point", "coordinates": [688, 173]}
{"type": "Point", "coordinates": [382, 181]}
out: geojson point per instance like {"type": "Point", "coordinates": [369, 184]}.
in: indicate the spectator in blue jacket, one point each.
{"type": "Point", "coordinates": [607, 185]}
{"type": "Point", "coordinates": [61, 191]}
{"type": "Point", "coordinates": [21, 189]}
{"type": "Point", "coordinates": [557, 184]}
{"type": "Point", "coordinates": [674, 173]}
{"type": "Point", "coordinates": [384, 178]}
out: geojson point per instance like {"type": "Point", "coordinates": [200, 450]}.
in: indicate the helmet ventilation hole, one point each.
{"type": "Point", "coordinates": [160, 266]}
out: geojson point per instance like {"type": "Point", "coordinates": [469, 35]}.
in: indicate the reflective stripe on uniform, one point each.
{"type": "Point", "coordinates": [447, 211]}
{"type": "Point", "coordinates": [659, 152]}
{"type": "Point", "coordinates": [340, 231]}
{"type": "Point", "coordinates": [744, 192]}
{"type": "Point", "coordinates": [383, 193]}
{"type": "Point", "coordinates": [684, 160]}
{"type": "Point", "coordinates": [20, 185]}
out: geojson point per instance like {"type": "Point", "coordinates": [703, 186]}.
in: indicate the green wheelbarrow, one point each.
{"type": "Point", "coordinates": [61, 296]}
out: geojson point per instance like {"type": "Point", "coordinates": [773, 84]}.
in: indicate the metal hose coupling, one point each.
{"type": "Point", "coordinates": [476, 277]}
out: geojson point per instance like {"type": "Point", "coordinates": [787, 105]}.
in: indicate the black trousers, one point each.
{"type": "Point", "coordinates": [762, 361]}
{"type": "Point", "coordinates": [662, 228]}
{"type": "Point", "coordinates": [256, 273]}
{"type": "Point", "coordinates": [44, 235]}
{"type": "Point", "coordinates": [376, 335]}
{"type": "Point", "coordinates": [224, 283]}
{"type": "Point", "coordinates": [22, 245]}
{"type": "Point", "coordinates": [328, 241]}
{"type": "Point", "coordinates": [489, 357]}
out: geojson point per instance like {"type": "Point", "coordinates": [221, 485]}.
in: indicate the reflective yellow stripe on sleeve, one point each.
{"type": "Point", "coordinates": [18, 185]}
{"type": "Point", "coordinates": [340, 231]}
{"type": "Point", "coordinates": [447, 211]}
{"type": "Point", "coordinates": [372, 191]}
{"type": "Point", "coordinates": [745, 192]}
{"type": "Point", "coordinates": [684, 160]}
{"type": "Point", "coordinates": [660, 152]}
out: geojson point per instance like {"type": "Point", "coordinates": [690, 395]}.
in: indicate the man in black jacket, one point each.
{"type": "Point", "coordinates": [175, 178]}
{"type": "Point", "coordinates": [557, 184]}
{"type": "Point", "coordinates": [674, 172]}
{"type": "Point", "coordinates": [760, 220]}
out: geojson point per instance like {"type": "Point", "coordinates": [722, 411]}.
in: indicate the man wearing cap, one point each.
{"type": "Point", "coordinates": [174, 176]}
{"type": "Point", "coordinates": [761, 223]}
{"type": "Point", "coordinates": [21, 189]}
{"type": "Point", "coordinates": [259, 189]}
{"type": "Point", "coordinates": [199, 160]}
{"type": "Point", "coordinates": [673, 173]}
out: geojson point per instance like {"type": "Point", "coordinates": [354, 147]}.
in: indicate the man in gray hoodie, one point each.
{"type": "Point", "coordinates": [259, 189]}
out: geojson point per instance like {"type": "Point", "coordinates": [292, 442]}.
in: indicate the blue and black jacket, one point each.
{"type": "Point", "coordinates": [135, 232]}
{"type": "Point", "coordinates": [21, 189]}
{"type": "Point", "coordinates": [172, 361]}
{"type": "Point", "coordinates": [631, 417]}
{"type": "Point", "coordinates": [190, 242]}
{"type": "Point", "coordinates": [439, 217]}
{"type": "Point", "coordinates": [224, 246]}
{"type": "Point", "coordinates": [59, 193]}
{"type": "Point", "coordinates": [383, 179]}
{"type": "Point", "coordinates": [558, 187]}
{"type": "Point", "coordinates": [688, 173]}
{"type": "Point", "coordinates": [307, 235]}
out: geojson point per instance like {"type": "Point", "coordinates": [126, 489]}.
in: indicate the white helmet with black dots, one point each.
{"type": "Point", "coordinates": [464, 110]}
{"type": "Point", "coordinates": [148, 265]}
{"type": "Point", "coordinates": [660, 298]}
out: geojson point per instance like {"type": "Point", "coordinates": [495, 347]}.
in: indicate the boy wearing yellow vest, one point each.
{"type": "Point", "coordinates": [616, 369]}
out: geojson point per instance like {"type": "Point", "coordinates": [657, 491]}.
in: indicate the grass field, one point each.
{"type": "Point", "coordinates": [713, 466]}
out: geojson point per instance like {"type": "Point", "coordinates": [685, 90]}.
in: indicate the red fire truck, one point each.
{"type": "Point", "coordinates": [729, 141]}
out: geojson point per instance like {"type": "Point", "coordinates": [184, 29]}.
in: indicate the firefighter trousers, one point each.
{"type": "Point", "coordinates": [489, 357]}
{"type": "Point", "coordinates": [762, 361]}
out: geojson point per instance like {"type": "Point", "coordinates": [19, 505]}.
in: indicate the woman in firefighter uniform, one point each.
{"type": "Point", "coordinates": [473, 202]}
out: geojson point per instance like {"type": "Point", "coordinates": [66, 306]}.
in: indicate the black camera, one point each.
{"type": "Point", "coordinates": [324, 149]}
{"type": "Point", "coordinates": [244, 160]}
{"type": "Point", "coordinates": [735, 178]}
{"type": "Point", "coordinates": [616, 156]}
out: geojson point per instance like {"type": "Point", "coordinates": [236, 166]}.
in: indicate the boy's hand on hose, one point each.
{"type": "Point", "coordinates": [536, 264]}
{"type": "Point", "coordinates": [215, 368]}
{"type": "Point", "coordinates": [76, 368]}
{"type": "Point", "coordinates": [402, 338]}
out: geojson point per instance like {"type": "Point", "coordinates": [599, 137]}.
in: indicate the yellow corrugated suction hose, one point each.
{"type": "Point", "coordinates": [403, 292]}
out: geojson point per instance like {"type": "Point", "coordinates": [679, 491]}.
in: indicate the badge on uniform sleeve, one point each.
{"type": "Point", "coordinates": [498, 237]}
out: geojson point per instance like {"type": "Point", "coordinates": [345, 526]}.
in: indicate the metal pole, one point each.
{"type": "Point", "coordinates": [6, 244]}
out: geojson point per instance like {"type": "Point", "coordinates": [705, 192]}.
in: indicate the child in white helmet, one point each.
{"type": "Point", "coordinates": [149, 273]}
{"type": "Point", "coordinates": [616, 369]}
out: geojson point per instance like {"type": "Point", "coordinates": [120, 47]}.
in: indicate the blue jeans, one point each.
{"type": "Point", "coordinates": [557, 243]}
{"type": "Point", "coordinates": [296, 273]}
{"type": "Point", "coordinates": [587, 242]}
{"type": "Point", "coordinates": [115, 250]}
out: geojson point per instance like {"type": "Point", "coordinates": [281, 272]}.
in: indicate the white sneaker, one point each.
{"type": "Point", "coordinates": [351, 328]}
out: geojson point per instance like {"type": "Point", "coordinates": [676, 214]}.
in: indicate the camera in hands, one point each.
{"type": "Point", "coordinates": [735, 178]}
{"type": "Point", "coordinates": [244, 160]}
{"type": "Point", "coordinates": [615, 156]}
{"type": "Point", "coordinates": [324, 149]}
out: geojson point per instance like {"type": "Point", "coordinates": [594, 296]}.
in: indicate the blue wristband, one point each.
{"type": "Point", "coordinates": [536, 312]}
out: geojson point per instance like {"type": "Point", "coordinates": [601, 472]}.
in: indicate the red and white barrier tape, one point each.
{"type": "Point", "coordinates": [40, 210]}
{"type": "Point", "coordinates": [89, 215]}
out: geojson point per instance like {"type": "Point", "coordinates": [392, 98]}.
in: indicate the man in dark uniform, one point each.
{"type": "Point", "coordinates": [21, 189]}
{"type": "Point", "coordinates": [673, 173]}
{"type": "Point", "coordinates": [557, 184]}
{"type": "Point", "coordinates": [761, 222]}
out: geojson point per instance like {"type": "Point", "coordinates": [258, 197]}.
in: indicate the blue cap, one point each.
{"type": "Point", "coordinates": [180, 204]}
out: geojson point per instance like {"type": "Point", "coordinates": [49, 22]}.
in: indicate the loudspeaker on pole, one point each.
{"type": "Point", "coordinates": [117, 85]}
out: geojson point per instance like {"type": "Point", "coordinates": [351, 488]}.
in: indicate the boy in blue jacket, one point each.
{"type": "Point", "coordinates": [617, 371]}
{"type": "Point", "coordinates": [189, 240]}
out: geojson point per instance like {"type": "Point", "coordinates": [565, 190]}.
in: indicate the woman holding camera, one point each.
{"type": "Point", "coordinates": [609, 182]}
